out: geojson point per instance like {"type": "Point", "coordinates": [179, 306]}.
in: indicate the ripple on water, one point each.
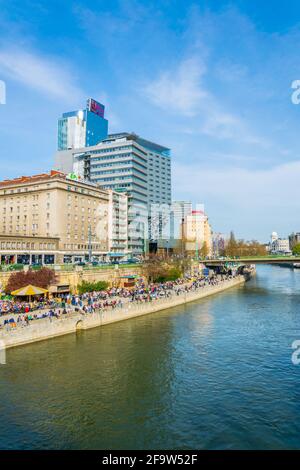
{"type": "Point", "coordinates": [214, 374]}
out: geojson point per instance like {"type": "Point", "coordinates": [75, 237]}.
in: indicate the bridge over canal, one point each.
{"type": "Point", "coordinates": [290, 260]}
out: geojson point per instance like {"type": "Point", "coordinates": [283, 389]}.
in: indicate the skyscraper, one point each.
{"type": "Point", "coordinates": [82, 128]}
{"type": "Point", "coordinates": [127, 163]}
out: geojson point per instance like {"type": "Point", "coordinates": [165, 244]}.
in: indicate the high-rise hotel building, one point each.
{"type": "Point", "coordinates": [82, 128]}
{"type": "Point", "coordinates": [125, 162]}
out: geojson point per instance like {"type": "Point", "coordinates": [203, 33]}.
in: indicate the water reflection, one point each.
{"type": "Point", "coordinates": [213, 374]}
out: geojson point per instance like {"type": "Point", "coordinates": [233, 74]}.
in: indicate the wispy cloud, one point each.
{"type": "Point", "coordinates": [183, 91]}
{"type": "Point", "coordinates": [45, 75]}
{"type": "Point", "coordinates": [179, 90]}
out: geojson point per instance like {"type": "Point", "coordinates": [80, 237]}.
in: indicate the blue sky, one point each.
{"type": "Point", "coordinates": [210, 79]}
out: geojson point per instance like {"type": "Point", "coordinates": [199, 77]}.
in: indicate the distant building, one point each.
{"type": "Point", "coordinates": [165, 226]}
{"type": "Point", "coordinates": [218, 243]}
{"type": "Point", "coordinates": [82, 128]}
{"type": "Point", "coordinates": [274, 236]}
{"type": "Point", "coordinates": [294, 239]}
{"type": "Point", "coordinates": [159, 227]}
{"type": "Point", "coordinates": [197, 233]}
{"type": "Point", "coordinates": [178, 212]}
{"type": "Point", "coordinates": [279, 246]}
{"type": "Point", "coordinates": [117, 224]}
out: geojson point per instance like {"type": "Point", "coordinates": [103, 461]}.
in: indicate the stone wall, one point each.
{"type": "Point", "coordinates": [39, 330]}
{"type": "Point", "coordinates": [77, 275]}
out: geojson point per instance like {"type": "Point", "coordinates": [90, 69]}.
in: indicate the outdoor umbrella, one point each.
{"type": "Point", "coordinates": [29, 291]}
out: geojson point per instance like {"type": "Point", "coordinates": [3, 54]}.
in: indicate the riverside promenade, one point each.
{"type": "Point", "coordinates": [48, 328]}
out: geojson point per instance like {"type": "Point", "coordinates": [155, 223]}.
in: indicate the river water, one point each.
{"type": "Point", "coordinates": [214, 374]}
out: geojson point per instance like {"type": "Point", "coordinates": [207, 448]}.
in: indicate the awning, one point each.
{"type": "Point", "coordinates": [29, 290]}
{"type": "Point", "coordinates": [117, 254]}
{"type": "Point", "coordinates": [130, 276]}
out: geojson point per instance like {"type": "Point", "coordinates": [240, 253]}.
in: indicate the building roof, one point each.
{"type": "Point", "coordinates": [46, 177]}
{"type": "Point", "coordinates": [143, 142]}
{"type": "Point", "coordinates": [198, 213]}
{"type": "Point", "coordinates": [32, 179]}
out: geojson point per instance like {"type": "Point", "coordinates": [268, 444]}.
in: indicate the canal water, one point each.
{"type": "Point", "coordinates": [215, 374]}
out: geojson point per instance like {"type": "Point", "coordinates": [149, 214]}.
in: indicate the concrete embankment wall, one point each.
{"type": "Point", "coordinates": [78, 275]}
{"type": "Point", "coordinates": [39, 330]}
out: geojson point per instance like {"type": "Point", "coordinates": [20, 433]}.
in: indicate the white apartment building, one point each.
{"type": "Point", "coordinates": [279, 245]}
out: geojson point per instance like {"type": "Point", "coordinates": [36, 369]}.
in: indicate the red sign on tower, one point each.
{"type": "Point", "coordinates": [95, 107]}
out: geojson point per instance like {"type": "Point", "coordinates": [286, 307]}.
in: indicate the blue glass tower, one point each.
{"type": "Point", "coordinates": [83, 128]}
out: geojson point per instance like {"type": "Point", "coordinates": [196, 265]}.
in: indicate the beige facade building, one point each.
{"type": "Point", "coordinates": [52, 218]}
{"type": "Point", "coordinates": [197, 233]}
{"type": "Point", "coordinates": [23, 248]}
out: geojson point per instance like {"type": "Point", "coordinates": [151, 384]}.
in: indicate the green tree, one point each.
{"type": "Point", "coordinates": [244, 248]}
{"type": "Point", "coordinates": [92, 286]}
{"type": "Point", "coordinates": [42, 278]}
{"type": "Point", "coordinates": [231, 248]}
{"type": "Point", "coordinates": [204, 250]}
{"type": "Point", "coordinates": [171, 275]}
{"type": "Point", "coordinates": [296, 249]}
{"type": "Point", "coordinates": [160, 271]}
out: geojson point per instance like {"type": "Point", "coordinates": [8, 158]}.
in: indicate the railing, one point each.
{"type": "Point", "coordinates": [127, 307]}
{"type": "Point", "coordinates": [71, 267]}
{"type": "Point", "coordinates": [67, 267]}
{"type": "Point", "coordinates": [143, 305]}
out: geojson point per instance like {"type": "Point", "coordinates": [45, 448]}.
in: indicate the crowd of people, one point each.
{"type": "Point", "coordinates": [25, 312]}
{"type": "Point", "coordinates": [19, 307]}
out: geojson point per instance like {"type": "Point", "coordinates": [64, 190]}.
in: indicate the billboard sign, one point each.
{"type": "Point", "coordinates": [72, 176]}
{"type": "Point", "coordinates": [95, 107]}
